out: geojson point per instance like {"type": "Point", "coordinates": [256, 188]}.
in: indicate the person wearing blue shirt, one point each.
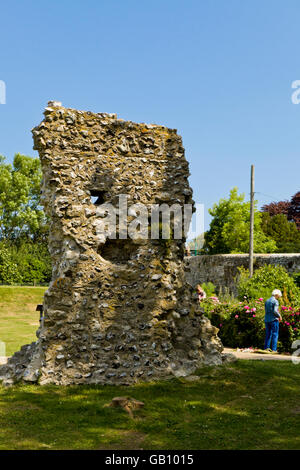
{"type": "Point", "coordinates": [272, 317]}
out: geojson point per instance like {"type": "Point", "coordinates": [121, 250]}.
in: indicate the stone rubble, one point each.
{"type": "Point", "coordinates": [116, 311]}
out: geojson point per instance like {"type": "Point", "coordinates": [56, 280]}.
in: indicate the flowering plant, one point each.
{"type": "Point", "coordinates": [241, 324]}
{"type": "Point", "coordinates": [289, 327]}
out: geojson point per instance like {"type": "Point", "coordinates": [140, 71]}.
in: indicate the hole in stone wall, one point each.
{"type": "Point", "coordinates": [97, 197]}
{"type": "Point", "coordinates": [118, 251]}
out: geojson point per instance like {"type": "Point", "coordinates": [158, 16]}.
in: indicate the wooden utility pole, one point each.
{"type": "Point", "coordinates": [251, 222]}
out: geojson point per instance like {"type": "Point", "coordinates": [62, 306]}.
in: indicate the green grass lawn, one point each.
{"type": "Point", "coordinates": [245, 405]}
{"type": "Point", "coordinates": [18, 318]}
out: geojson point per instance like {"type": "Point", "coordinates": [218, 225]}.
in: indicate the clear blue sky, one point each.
{"type": "Point", "coordinates": [218, 71]}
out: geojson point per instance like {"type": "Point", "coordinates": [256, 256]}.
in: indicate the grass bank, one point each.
{"type": "Point", "coordinates": [18, 318]}
{"type": "Point", "coordinates": [245, 405]}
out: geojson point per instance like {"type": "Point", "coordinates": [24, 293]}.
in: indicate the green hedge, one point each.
{"type": "Point", "coordinates": [27, 263]}
{"type": "Point", "coordinates": [264, 280]}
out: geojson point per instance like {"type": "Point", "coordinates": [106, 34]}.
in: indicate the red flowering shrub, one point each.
{"type": "Point", "coordinates": [289, 327]}
{"type": "Point", "coordinates": [241, 324]}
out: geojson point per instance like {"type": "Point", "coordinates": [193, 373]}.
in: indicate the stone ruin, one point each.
{"type": "Point", "coordinates": [117, 311]}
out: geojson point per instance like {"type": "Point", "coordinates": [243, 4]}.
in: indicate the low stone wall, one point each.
{"type": "Point", "coordinates": [222, 270]}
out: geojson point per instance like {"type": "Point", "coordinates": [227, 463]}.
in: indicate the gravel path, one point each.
{"type": "Point", "coordinates": [258, 356]}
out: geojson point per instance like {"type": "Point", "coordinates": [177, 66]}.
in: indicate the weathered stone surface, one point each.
{"type": "Point", "coordinates": [116, 311]}
{"type": "Point", "coordinates": [23, 365]}
{"type": "Point", "coordinates": [222, 270]}
{"type": "Point", "coordinates": [228, 358]}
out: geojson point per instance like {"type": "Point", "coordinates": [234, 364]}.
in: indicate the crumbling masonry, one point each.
{"type": "Point", "coordinates": [116, 311]}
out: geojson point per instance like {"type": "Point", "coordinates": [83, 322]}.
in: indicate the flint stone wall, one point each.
{"type": "Point", "coordinates": [222, 270]}
{"type": "Point", "coordinates": [116, 311]}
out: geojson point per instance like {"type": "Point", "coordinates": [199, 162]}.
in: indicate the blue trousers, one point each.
{"type": "Point", "coordinates": [272, 331]}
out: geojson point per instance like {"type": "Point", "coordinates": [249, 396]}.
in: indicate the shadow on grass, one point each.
{"type": "Point", "coordinates": [247, 405]}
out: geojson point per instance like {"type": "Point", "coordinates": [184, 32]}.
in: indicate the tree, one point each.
{"type": "Point", "coordinates": [274, 208]}
{"type": "Point", "coordinates": [290, 208]}
{"type": "Point", "coordinates": [9, 272]}
{"type": "Point", "coordinates": [294, 210]}
{"type": "Point", "coordinates": [283, 231]}
{"type": "Point", "coordinates": [230, 226]}
{"type": "Point", "coordinates": [20, 211]}
{"type": "Point", "coordinates": [196, 243]}
{"type": "Point", "coordinates": [24, 256]}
